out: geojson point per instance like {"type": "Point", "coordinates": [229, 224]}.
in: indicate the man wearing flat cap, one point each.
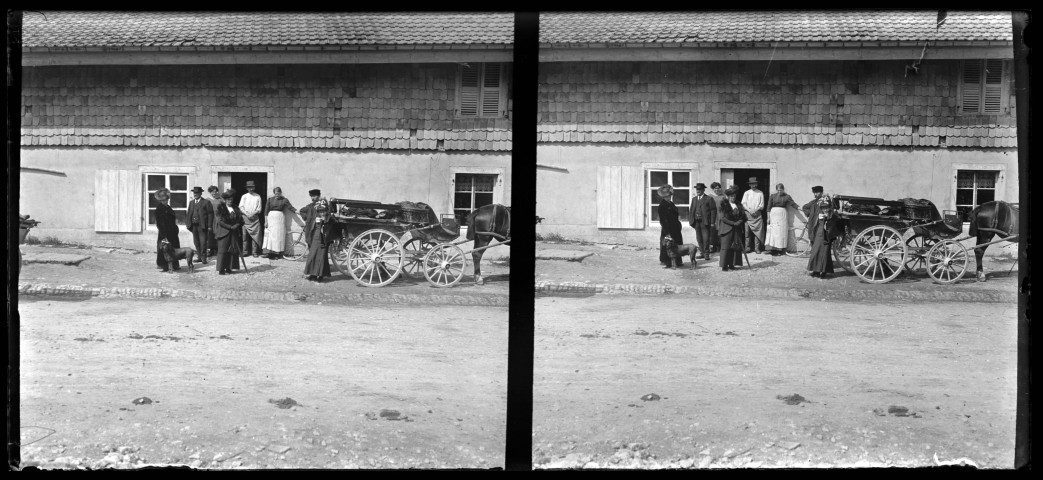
{"type": "Point", "coordinates": [253, 231]}
{"type": "Point", "coordinates": [200, 218]}
{"type": "Point", "coordinates": [308, 213]}
{"type": "Point", "coordinates": [753, 204]}
{"type": "Point", "coordinates": [811, 208]}
{"type": "Point", "coordinates": [704, 216]}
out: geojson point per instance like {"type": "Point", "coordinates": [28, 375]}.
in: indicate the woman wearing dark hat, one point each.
{"type": "Point", "coordinates": [822, 229]}
{"type": "Point", "coordinates": [278, 212]}
{"type": "Point", "coordinates": [668, 219]}
{"type": "Point", "coordinates": [227, 220]}
{"type": "Point", "coordinates": [320, 236]}
{"type": "Point", "coordinates": [732, 221]}
{"type": "Point", "coordinates": [166, 224]}
{"type": "Point", "coordinates": [308, 212]}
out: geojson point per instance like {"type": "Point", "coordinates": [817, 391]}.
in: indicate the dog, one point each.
{"type": "Point", "coordinates": [676, 251]}
{"type": "Point", "coordinates": [171, 254]}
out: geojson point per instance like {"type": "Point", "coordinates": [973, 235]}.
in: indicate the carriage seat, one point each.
{"type": "Point", "coordinates": [446, 231]}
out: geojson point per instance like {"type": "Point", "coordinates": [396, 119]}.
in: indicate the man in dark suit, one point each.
{"type": "Point", "coordinates": [704, 217]}
{"type": "Point", "coordinates": [215, 201]}
{"type": "Point", "coordinates": [308, 213]}
{"type": "Point", "coordinates": [200, 218]}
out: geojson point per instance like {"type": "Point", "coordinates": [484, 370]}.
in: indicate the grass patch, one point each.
{"type": "Point", "coordinates": [553, 237]}
{"type": "Point", "coordinates": [31, 240]}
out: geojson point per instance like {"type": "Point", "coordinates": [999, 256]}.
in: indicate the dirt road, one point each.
{"type": "Point", "coordinates": [374, 387]}
{"type": "Point", "coordinates": [771, 383]}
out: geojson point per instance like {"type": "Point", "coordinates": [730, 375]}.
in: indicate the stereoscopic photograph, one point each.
{"type": "Point", "coordinates": [776, 239]}
{"type": "Point", "coordinates": [263, 240]}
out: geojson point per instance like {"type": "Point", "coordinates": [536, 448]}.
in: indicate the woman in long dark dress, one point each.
{"type": "Point", "coordinates": [732, 218]}
{"type": "Point", "coordinates": [321, 236]}
{"type": "Point", "coordinates": [668, 219]}
{"type": "Point", "coordinates": [166, 225]}
{"type": "Point", "coordinates": [227, 222]}
{"type": "Point", "coordinates": [822, 231]}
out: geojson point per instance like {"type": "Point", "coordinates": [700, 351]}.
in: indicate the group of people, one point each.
{"type": "Point", "coordinates": [734, 227]}
{"type": "Point", "coordinates": [219, 227]}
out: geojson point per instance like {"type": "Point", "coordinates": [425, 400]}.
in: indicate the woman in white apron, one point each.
{"type": "Point", "coordinates": [278, 212]}
{"type": "Point", "coordinates": [778, 220]}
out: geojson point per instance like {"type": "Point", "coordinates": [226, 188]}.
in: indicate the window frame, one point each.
{"type": "Point", "coordinates": [1005, 79]}
{"type": "Point", "coordinates": [1000, 185]}
{"type": "Point", "coordinates": [650, 191]}
{"type": "Point", "coordinates": [501, 90]}
{"type": "Point", "coordinates": [497, 183]}
{"type": "Point", "coordinates": [190, 174]}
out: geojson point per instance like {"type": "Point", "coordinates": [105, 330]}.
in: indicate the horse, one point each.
{"type": "Point", "coordinates": [483, 225]}
{"type": "Point", "coordinates": [990, 219]}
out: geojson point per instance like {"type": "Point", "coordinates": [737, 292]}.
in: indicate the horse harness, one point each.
{"type": "Point", "coordinates": [496, 227]}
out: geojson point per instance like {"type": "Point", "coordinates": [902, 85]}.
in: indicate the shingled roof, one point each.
{"type": "Point", "coordinates": [777, 26]}
{"type": "Point", "coordinates": [221, 29]}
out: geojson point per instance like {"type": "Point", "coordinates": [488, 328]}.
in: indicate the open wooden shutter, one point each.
{"type": "Point", "coordinates": [970, 96]}
{"type": "Point", "coordinates": [492, 78]}
{"type": "Point", "coordinates": [620, 197]}
{"type": "Point", "coordinates": [468, 93]}
{"type": "Point", "coordinates": [117, 201]}
{"type": "Point", "coordinates": [993, 102]}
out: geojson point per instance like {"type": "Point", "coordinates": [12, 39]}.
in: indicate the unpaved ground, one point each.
{"type": "Point", "coordinates": [635, 266]}
{"type": "Point", "coordinates": [211, 370]}
{"type": "Point", "coordinates": [127, 269]}
{"type": "Point", "coordinates": [719, 365]}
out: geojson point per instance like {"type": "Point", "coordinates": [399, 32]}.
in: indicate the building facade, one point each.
{"type": "Point", "coordinates": [878, 104]}
{"type": "Point", "coordinates": [381, 107]}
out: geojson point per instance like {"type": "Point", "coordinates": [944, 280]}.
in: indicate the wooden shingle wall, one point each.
{"type": "Point", "coordinates": [400, 107]}
{"type": "Point", "coordinates": [792, 103]}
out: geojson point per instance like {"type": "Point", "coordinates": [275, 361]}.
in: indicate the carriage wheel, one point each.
{"type": "Point", "coordinates": [947, 261]}
{"type": "Point", "coordinates": [878, 254]}
{"type": "Point", "coordinates": [444, 265]}
{"type": "Point", "coordinates": [842, 251]}
{"type": "Point", "coordinates": [918, 246]}
{"type": "Point", "coordinates": [800, 242]}
{"type": "Point", "coordinates": [339, 255]}
{"type": "Point", "coordinates": [415, 251]}
{"type": "Point", "coordinates": [375, 258]}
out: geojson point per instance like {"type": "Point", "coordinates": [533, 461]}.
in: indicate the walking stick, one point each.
{"type": "Point", "coordinates": [239, 251]}
{"type": "Point", "coordinates": [735, 243]}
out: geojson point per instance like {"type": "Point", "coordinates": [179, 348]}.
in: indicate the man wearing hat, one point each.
{"type": "Point", "coordinates": [200, 218]}
{"type": "Point", "coordinates": [215, 201]}
{"type": "Point", "coordinates": [753, 203]}
{"type": "Point", "coordinates": [227, 221]}
{"type": "Point", "coordinates": [704, 216]}
{"type": "Point", "coordinates": [250, 204]}
{"type": "Point", "coordinates": [811, 208]}
{"type": "Point", "coordinates": [717, 196]}
{"type": "Point", "coordinates": [308, 212]}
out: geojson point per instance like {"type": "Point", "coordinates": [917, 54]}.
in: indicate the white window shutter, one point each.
{"type": "Point", "coordinates": [117, 201]}
{"type": "Point", "coordinates": [970, 97]}
{"type": "Point", "coordinates": [468, 92]}
{"type": "Point", "coordinates": [620, 197]}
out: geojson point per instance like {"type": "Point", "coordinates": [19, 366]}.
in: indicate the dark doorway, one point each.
{"type": "Point", "coordinates": [237, 180]}
{"type": "Point", "coordinates": [742, 179]}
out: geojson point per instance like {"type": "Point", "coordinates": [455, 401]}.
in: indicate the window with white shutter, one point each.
{"type": "Point", "coordinates": [117, 201]}
{"type": "Point", "coordinates": [482, 90]}
{"type": "Point", "coordinates": [620, 197]}
{"type": "Point", "coordinates": [983, 87]}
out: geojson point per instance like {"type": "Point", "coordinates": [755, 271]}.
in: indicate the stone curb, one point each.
{"type": "Point", "coordinates": [572, 289]}
{"type": "Point", "coordinates": [346, 298]}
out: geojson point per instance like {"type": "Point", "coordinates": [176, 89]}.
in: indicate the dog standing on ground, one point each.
{"type": "Point", "coordinates": [171, 254]}
{"type": "Point", "coordinates": [679, 251]}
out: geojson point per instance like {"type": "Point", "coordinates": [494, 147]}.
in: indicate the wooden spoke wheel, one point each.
{"type": "Point", "coordinates": [947, 261]}
{"type": "Point", "coordinates": [444, 265]}
{"type": "Point", "coordinates": [415, 251]}
{"type": "Point", "coordinates": [878, 254]}
{"type": "Point", "coordinates": [918, 246]}
{"type": "Point", "coordinates": [799, 242]}
{"type": "Point", "coordinates": [374, 258]}
{"type": "Point", "coordinates": [842, 251]}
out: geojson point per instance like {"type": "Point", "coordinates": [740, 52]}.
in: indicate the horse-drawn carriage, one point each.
{"type": "Point", "coordinates": [883, 238]}
{"type": "Point", "coordinates": [377, 242]}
